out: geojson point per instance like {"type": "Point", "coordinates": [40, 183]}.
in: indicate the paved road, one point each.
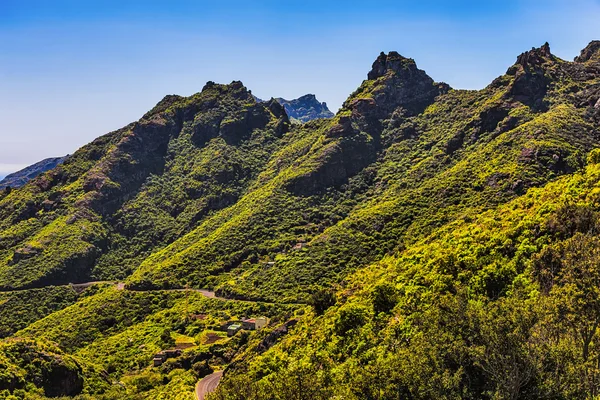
{"type": "Point", "coordinates": [207, 385]}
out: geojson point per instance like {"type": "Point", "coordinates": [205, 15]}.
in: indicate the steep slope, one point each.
{"type": "Point", "coordinates": [498, 305]}
{"type": "Point", "coordinates": [141, 185]}
{"type": "Point", "coordinates": [306, 180]}
{"type": "Point", "coordinates": [23, 176]}
{"type": "Point", "coordinates": [402, 157]}
{"type": "Point", "coordinates": [42, 370]}
{"type": "Point", "coordinates": [437, 233]}
{"type": "Point", "coordinates": [494, 304]}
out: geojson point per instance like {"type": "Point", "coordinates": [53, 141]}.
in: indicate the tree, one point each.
{"type": "Point", "coordinates": [166, 338]}
{"type": "Point", "coordinates": [574, 306]}
{"type": "Point", "coordinates": [321, 300]}
{"type": "Point", "coordinates": [350, 316]}
{"type": "Point", "coordinates": [384, 298]}
{"type": "Point", "coordinates": [578, 289]}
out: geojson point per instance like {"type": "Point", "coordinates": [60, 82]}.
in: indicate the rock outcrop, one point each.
{"type": "Point", "coordinates": [591, 51]}
{"type": "Point", "coordinates": [397, 83]}
{"type": "Point", "coordinates": [531, 80]}
{"type": "Point", "coordinates": [394, 86]}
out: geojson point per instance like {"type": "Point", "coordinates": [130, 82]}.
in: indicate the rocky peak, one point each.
{"type": "Point", "coordinates": [535, 57]}
{"type": "Point", "coordinates": [235, 89]}
{"type": "Point", "coordinates": [392, 62]}
{"type": "Point", "coordinates": [591, 51]}
{"type": "Point", "coordinates": [164, 104]}
{"type": "Point", "coordinates": [305, 108]}
{"type": "Point", "coordinates": [20, 178]}
{"type": "Point", "coordinates": [307, 97]}
{"type": "Point", "coordinates": [531, 76]}
{"type": "Point", "coordinates": [395, 82]}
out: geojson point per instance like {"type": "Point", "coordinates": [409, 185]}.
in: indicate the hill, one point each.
{"type": "Point", "coordinates": [425, 242]}
{"type": "Point", "coordinates": [23, 176]}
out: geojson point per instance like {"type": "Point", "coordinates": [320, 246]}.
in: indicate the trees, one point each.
{"type": "Point", "coordinates": [574, 303]}
{"type": "Point", "coordinates": [166, 338]}
{"type": "Point", "coordinates": [384, 298]}
{"type": "Point", "coordinates": [350, 316]}
{"type": "Point", "coordinates": [321, 300]}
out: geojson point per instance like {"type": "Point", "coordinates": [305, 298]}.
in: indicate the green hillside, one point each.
{"type": "Point", "coordinates": [425, 242]}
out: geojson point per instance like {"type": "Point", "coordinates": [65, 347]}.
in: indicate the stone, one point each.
{"type": "Point", "coordinates": [591, 51]}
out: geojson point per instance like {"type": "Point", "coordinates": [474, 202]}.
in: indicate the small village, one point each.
{"type": "Point", "coordinates": [231, 327]}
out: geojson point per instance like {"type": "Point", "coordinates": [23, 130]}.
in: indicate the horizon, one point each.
{"type": "Point", "coordinates": [74, 72]}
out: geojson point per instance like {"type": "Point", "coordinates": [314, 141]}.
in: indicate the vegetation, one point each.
{"type": "Point", "coordinates": [423, 243]}
{"type": "Point", "coordinates": [21, 308]}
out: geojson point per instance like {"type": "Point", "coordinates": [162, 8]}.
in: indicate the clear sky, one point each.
{"type": "Point", "coordinates": [71, 70]}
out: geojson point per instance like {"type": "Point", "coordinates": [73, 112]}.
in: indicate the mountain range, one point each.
{"type": "Point", "coordinates": [424, 242]}
{"type": "Point", "coordinates": [303, 109]}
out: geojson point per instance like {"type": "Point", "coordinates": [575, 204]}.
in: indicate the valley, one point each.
{"type": "Point", "coordinates": [424, 242]}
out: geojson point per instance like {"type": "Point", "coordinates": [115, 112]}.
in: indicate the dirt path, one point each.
{"type": "Point", "coordinates": [208, 384]}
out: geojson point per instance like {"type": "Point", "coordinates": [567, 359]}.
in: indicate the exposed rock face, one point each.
{"type": "Point", "coordinates": [23, 176]}
{"type": "Point", "coordinates": [62, 380]}
{"type": "Point", "coordinates": [111, 171]}
{"type": "Point", "coordinates": [305, 108]}
{"type": "Point", "coordinates": [591, 51]}
{"type": "Point", "coordinates": [394, 86]}
{"type": "Point", "coordinates": [402, 85]}
{"type": "Point", "coordinates": [142, 151]}
{"type": "Point", "coordinates": [531, 81]}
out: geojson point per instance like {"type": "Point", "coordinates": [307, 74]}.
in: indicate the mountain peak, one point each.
{"type": "Point", "coordinates": [535, 56]}
{"type": "Point", "coordinates": [591, 51]}
{"type": "Point", "coordinates": [391, 62]}
{"type": "Point", "coordinates": [305, 108]}
{"type": "Point", "coordinates": [20, 178]}
{"type": "Point", "coordinates": [307, 97]}
{"type": "Point", "coordinates": [395, 81]}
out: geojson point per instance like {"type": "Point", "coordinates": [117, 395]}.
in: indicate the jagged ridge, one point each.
{"type": "Point", "coordinates": [211, 190]}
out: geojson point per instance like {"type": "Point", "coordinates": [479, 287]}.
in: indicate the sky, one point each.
{"type": "Point", "coordinates": [72, 70]}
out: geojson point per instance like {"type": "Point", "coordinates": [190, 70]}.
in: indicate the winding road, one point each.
{"type": "Point", "coordinates": [121, 286]}
{"type": "Point", "coordinates": [208, 384]}
{"type": "Point", "coordinates": [205, 385]}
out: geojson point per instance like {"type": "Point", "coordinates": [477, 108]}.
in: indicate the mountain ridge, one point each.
{"type": "Point", "coordinates": [19, 178]}
{"type": "Point", "coordinates": [362, 237]}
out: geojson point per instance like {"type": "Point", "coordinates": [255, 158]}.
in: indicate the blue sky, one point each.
{"type": "Point", "coordinates": [73, 70]}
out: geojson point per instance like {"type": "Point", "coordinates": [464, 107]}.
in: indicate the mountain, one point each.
{"type": "Point", "coordinates": [305, 108]}
{"type": "Point", "coordinates": [425, 242]}
{"type": "Point", "coordinates": [23, 176]}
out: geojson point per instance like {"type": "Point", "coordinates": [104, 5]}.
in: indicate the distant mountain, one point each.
{"type": "Point", "coordinates": [425, 242]}
{"type": "Point", "coordinates": [23, 176]}
{"type": "Point", "coordinates": [303, 109]}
